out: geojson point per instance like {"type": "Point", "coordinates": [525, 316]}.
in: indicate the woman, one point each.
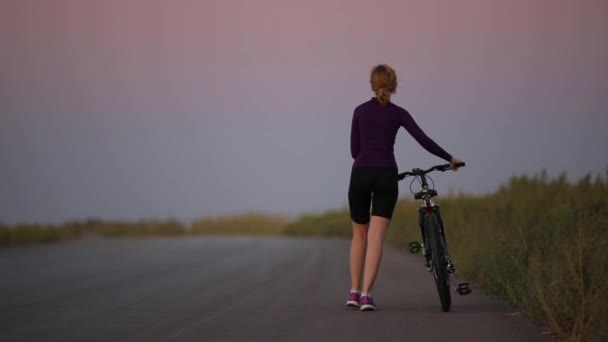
{"type": "Point", "coordinates": [374, 174]}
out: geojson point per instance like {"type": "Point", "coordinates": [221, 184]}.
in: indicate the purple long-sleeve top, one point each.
{"type": "Point", "coordinates": [373, 132]}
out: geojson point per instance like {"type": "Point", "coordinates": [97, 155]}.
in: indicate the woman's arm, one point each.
{"type": "Point", "coordinates": [407, 121]}
{"type": "Point", "coordinates": [355, 142]}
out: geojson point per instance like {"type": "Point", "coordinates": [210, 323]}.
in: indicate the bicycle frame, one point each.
{"type": "Point", "coordinates": [430, 207]}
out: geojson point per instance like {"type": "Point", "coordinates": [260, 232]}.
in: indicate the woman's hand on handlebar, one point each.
{"type": "Point", "coordinates": [455, 164]}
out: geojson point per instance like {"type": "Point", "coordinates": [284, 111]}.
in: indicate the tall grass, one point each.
{"type": "Point", "coordinates": [541, 244]}
{"type": "Point", "coordinates": [141, 228]}
{"type": "Point", "coordinates": [246, 224]}
{"type": "Point", "coordinates": [23, 234]}
{"type": "Point", "coordinates": [29, 234]}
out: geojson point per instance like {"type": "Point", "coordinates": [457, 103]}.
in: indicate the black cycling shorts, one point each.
{"type": "Point", "coordinates": [375, 186]}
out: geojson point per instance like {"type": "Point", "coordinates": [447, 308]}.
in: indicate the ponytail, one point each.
{"type": "Point", "coordinates": [384, 83]}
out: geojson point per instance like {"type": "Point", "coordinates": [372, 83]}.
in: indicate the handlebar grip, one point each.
{"type": "Point", "coordinates": [461, 164]}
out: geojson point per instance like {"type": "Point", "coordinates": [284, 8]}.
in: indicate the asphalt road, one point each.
{"type": "Point", "coordinates": [230, 289]}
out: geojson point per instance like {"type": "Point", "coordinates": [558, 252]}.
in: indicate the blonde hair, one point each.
{"type": "Point", "coordinates": [384, 83]}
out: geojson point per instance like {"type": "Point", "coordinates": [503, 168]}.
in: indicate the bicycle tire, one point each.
{"type": "Point", "coordinates": [440, 273]}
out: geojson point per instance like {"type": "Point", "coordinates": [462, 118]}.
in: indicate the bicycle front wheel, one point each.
{"type": "Point", "coordinates": [439, 261]}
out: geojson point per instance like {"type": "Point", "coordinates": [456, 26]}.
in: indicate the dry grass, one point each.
{"type": "Point", "coordinates": [541, 244]}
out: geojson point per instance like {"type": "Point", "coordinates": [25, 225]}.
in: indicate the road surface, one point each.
{"type": "Point", "coordinates": [230, 289]}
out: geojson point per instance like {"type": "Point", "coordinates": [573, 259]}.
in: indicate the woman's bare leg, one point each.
{"type": "Point", "coordinates": [357, 254]}
{"type": "Point", "coordinates": [375, 239]}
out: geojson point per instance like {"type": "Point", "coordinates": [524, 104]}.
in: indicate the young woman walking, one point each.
{"type": "Point", "coordinates": [373, 180]}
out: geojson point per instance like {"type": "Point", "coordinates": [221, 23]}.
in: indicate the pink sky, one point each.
{"type": "Point", "coordinates": [138, 108]}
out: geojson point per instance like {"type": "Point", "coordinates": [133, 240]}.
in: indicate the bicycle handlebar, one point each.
{"type": "Point", "coordinates": [419, 172]}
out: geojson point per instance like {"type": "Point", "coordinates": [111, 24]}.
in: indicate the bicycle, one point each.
{"type": "Point", "coordinates": [434, 243]}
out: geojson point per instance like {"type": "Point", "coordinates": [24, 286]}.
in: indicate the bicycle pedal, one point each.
{"type": "Point", "coordinates": [464, 289]}
{"type": "Point", "coordinates": [414, 247]}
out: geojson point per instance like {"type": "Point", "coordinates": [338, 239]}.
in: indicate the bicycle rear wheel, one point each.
{"type": "Point", "coordinates": [440, 272]}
